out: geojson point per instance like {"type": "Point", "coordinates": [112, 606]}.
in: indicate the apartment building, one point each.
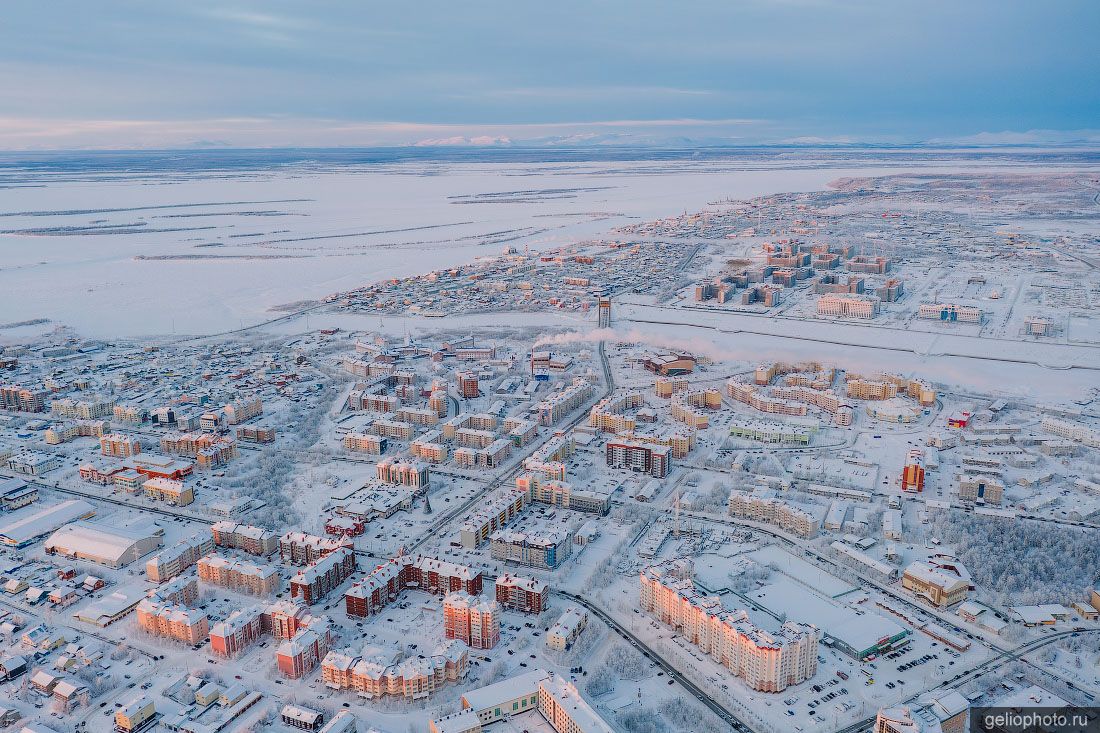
{"type": "Point", "coordinates": [240, 630]}
{"type": "Point", "coordinates": [314, 582]}
{"type": "Point", "coordinates": [559, 493]}
{"type": "Point", "coordinates": [768, 662]}
{"type": "Point", "coordinates": [415, 678]}
{"type": "Point", "coordinates": [131, 414]}
{"type": "Point", "coordinates": [20, 399]}
{"type": "Point", "coordinates": [527, 595]}
{"type": "Point", "coordinates": [256, 433]}
{"type": "Point", "coordinates": [755, 398]}
{"type": "Point", "coordinates": [763, 506]}
{"type": "Point", "coordinates": [472, 620]}
{"type": "Point", "coordinates": [239, 575]}
{"type": "Point", "coordinates": [81, 409]}
{"type": "Point", "coordinates": [300, 548]}
{"type": "Point", "coordinates": [365, 442]}
{"type": "Point", "coordinates": [544, 550]}
{"type": "Point", "coordinates": [653, 460]}
{"type": "Point", "coordinates": [870, 389]}
{"type": "Point", "coordinates": [301, 654]}
{"type": "Point", "coordinates": [566, 629]}
{"type": "Point", "coordinates": [980, 489]}
{"type": "Point", "coordinates": [118, 445]}
{"type": "Point", "coordinates": [187, 625]}
{"type": "Point", "coordinates": [241, 410]}
{"type": "Point", "coordinates": [848, 305]}
{"type": "Point", "coordinates": [496, 512]}
{"type": "Point", "coordinates": [429, 447]}
{"type": "Point", "coordinates": [912, 474]}
{"type": "Point", "coordinates": [177, 558]}
{"type": "Point", "coordinates": [250, 539]}
{"type": "Point", "coordinates": [563, 707]}
{"type": "Point", "coordinates": [868, 264]}
{"type": "Point", "coordinates": [559, 404]}
{"type": "Point", "coordinates": [388, 579]}
{"type": "Point", "coordinates": [169, 491]}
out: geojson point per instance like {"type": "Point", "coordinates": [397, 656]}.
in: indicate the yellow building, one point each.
{"type": "Point", "coordinates": [135, 715]}
{"type": "Point", "coordinates": [168, 490]}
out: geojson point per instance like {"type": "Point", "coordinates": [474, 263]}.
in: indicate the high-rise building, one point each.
{"type": "Point", "coordinates": [467, 384]}
{"type": "Point", "coordinates": [912, 476]}
{"type": "Point", "coordinates": [640, 457]}
{"type": "Point", "coordinates": [605, 313]}
{"type": "Point", "coordinates": [471, 619]}
{"type": "Point", "coordinates": [769, 662]}
{"type": "Point", "coordinates": [528, 595]}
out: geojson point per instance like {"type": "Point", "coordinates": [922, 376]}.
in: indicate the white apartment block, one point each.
{"type": "Point", "coordinates": [765, 661]}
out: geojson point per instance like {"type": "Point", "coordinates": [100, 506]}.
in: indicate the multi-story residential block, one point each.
{"type": "Point", "coordinates": [181, 591]}
{"type": "Point", "coordinates": [314, 582]}
{"type": "Point", "coordinates": [545, 550]}
{"type": "Point", "coordinates": [81, 409]}
{"type": "Point", "coordinates": [168, 490]}
{"type": "Point", "coordinates": [976, 488]}
{"type": "Point", "coordinates": [472, 620]}
{"type": "Point", "coordinates": [393, 429]}
{"type": "Point", "coordinates": [136, 715]}
{"type": "Point", "coordinates": [559, 404]}
{"type": "Point", "coordinates": [131, 414]}
{"type": "Point", "coordinates": [561, 704]}
{"type": "Point", "coordinates": [414, 678]}
{"type": "Point", "coordinates": [256, 433]}
{"type": "Point", "coordinates": [176, 622]}
{"type": "Point", "coordinates": [64, 432]}
{"type": "Point", "coordinates": [250, 539]}
{"type": "Point", "coordinates": [300, 548]}
{"type": "Point", "coordinates": [640, 457]}
{"type": "Point", "coordinates": [365, 442]}
{"type": "Point", "coordinates": [769, 662]}
{"type": "Point", "coordinates": [177, 558]}
{"type": "Point", "coordinates": [300, 654]}
{"type": "Point", "coordinates": [467, 384]}
{"type": "Point", "coordinates": [758, 400]}
{"type": "Point", "coordinates": [429, 447]}
{"type": "Point", "coordinates": [559, 493]}
{"type": "Point", "coordinates": [496, 512]}
{"type": "Point", "coordinates": [566, 629]}
{"type": "Point", "coordinates": [20, 399]}
{"type": "Point", "coordinates": [247, 577]}
{"type": "Point", "coordinates": [869, 389]}
{"type": "Point", "coordinates": [527, 595]}
{"type": "Point", "coordinates": [1071, 431]}
{"type": "Point", "coordinates": [119, 445]}
{"type": "Point", "coordinates": [283, 619]}
{"type": "Point", "coordinates": [912, 475]}
{"type": "Point", "coordinates": [763, 506]}
{"type": "Point", "coordinates": [238, 631]}
{"type": "Point", "coordinates": [241, 410]}
{"type": "Point", "coordinates": [387, 580]}
{"type": "Point", "coordinates": [868, 264]}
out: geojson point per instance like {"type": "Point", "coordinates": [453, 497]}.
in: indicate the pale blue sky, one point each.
{"type": "Point", "coordinates": [145, 74]}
